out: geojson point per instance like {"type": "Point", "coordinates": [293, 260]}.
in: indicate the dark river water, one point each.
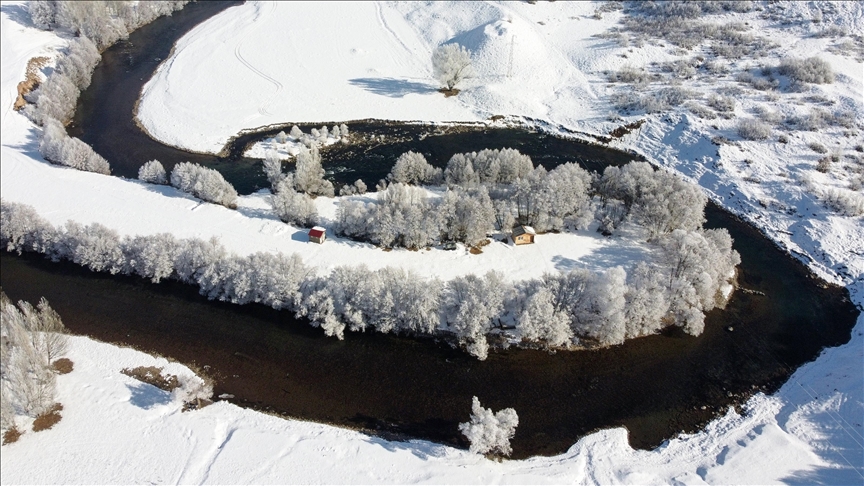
{"type": "Point", "coordinates": [655, 386]}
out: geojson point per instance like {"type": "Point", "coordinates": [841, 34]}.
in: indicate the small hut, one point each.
{"type": "Point", "coordinates": [523, 235]}
{"type": "Point", "coordinates": [317, 235]}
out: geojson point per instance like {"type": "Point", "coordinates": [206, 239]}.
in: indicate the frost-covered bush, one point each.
{"type": "Point", "coordinates": [153, 172]}
{"type": "Point", "coordinates": [204, 183]}
{"type": "Point", "coordinates": [810, 70]}
{"type": "Point", "coordinates": [813, 121]}
{"type": "Point", "coordinates": [58, 147]}
{"type": "Point", "coordinates": [359, 187]}
{"type": "Point", "coordinates": [489, 432]}
{"type": "Point", "coordinates": [700, 110]}
{"type": "Point", "coordinates": [293, 207]}
{"type": "Point", "coordinates": [309, 174]}
{"type": "Point", "coordinates": [818, 148]}
{"type": "Point", "coordinates": [850, 203]}
{"type": "Point", "coordinates": [412, 168]}
{"type": "Point", "coordinates": [722, 103]}
{"type": "Point", "coordinates": [451, 64]}
{"type": "Point", "coordinates": [752, 129]}
{"type": "Point", "coordinates": [631, 75]}
{"type": "Point", "coordinates": [768, 116]}
{"type": "Point", "coordinates": [402, 216]}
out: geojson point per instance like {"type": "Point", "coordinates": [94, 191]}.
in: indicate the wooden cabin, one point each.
{"type": "Point", "coordinates": [523, 235]}
{"type": "Point", "coordinates": [317, 235]}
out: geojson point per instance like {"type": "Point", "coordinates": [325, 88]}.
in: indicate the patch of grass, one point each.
{"type": "Point", "coordinates": [63, 366]}
{"type": "Point", "coordinates": [153, 376]}
{"type": "Point", "coordinates": [48, 419]}
{"type": "Point", "coordinates": [11, 435]}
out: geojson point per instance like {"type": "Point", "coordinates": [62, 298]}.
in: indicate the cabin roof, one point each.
{"type": "Point", "coordinates": [317, 232]}
{"type": "Point", "coordinates": [522, 229]}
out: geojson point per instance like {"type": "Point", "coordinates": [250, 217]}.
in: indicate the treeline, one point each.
{"type": "Point", "coordinates": [98, 25]}
{"type": "Point", "coordinates": [497, 189]}
{"type": "Point", "coordinates": [688, 277]}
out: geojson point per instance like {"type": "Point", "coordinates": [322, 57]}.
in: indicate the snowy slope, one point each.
{"type": "Point", "coordinates": [117, 431]}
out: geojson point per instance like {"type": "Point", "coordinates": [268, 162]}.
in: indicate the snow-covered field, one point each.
{"type": "Point", "coordinates": [324, 62]}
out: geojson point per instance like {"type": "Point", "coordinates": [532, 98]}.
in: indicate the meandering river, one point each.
{"type": "Point", "coordinates": [655, 386]}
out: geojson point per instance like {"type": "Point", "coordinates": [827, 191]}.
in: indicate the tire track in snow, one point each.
{"type": "Point", "coordinates": [199, 473]}
{"type": "Point", "coordinates": [263, 108]}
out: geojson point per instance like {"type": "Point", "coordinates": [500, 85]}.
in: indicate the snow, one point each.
{"type": "Point", "coordinates": [370, 60]}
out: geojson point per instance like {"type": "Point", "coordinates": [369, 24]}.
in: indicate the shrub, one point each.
{"type": "Point", "coordinates": [818, 148]}
{"type": "Point", "coordinates": [59, 148]}
{"type": "Point", "coordinates": [810, 70]}
{"type": "Point", "coordinates": [63, 366]}
{"type": "Point", "coordinates": [813, 121]}
{"type": "Point", "coordinates": [48, 419]}
{"type": "Point", "coordinates": [204, 183]}
{"type": "Point", "coordinates": [11, 435]}
{"type": "Point", "coordinates": [700, 110]}
{"type": "Point", "coordinates": [824, 165]}
{"type": "Point", "coordinates": [850, 203]}
{"type": "Point", "coordinates": [630, 74]}
{"type": "Point", "coordinates": [752, 129]}
{"type": "Point", "coordinates": [490, 432]}
{"type": "Point", "coordinates": [153, 172]}
{"type": "Point", "coordinates": [722, 103]}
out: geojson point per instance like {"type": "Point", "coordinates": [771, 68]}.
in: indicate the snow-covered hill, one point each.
{"type": "Point", "coordinates": [320, 62]}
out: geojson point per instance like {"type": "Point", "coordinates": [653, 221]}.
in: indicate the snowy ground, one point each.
{"type": "Point", "coordinates": [365, 60]}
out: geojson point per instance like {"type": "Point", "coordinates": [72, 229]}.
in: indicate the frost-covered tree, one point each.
{"type": "Point", "coordinates": [27, 382]}
{"type": "Point", "coordinates": [647, 302]}
{"type": "Point", "coordinates": [293, 207]}
{"type": "Point", "coordinates": [46, 330]}
{"type": "Point", "coordinates": [460, 171]}
{"type": "Point", "coordinates": [471, 304]}
{"type": "Point", "coordinates": [273, 167]}
{"type": "Point", "coordinates": [698, 265]}
{"type": "Point", "coordinates": [296, 132]}
{"type": "Point", "coordinates": [542, 321]}
{"type": "Point", "coordinates": [94, 246]}
{"type": "Point", "coordinates": [412, 168]}
{"type": "Point", "coordinates": [22, 229]}
{"type": "Point", "coordinates": [204, 183]}
{"type": "Point", "coordinates": [281, 137]}
{"type": "Point", "coordinates": [489, 432]}
{"type": "Point", "coordinates": [466, 215]}
{"type": "Point", "coordinates": [58, 147]}
{"type": "Point", "coordinates": [153, 172]}
{"type": "Point", "coordinates": [451, 64]}
{"type": "Point", "coordinates": [152, 256]}
{"type": "Point", "coordinates": [658, 201]}
{"type": "Point", "coordinates": [309, 174]}
{"type": "Point", "coordinates": [43, 13]}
